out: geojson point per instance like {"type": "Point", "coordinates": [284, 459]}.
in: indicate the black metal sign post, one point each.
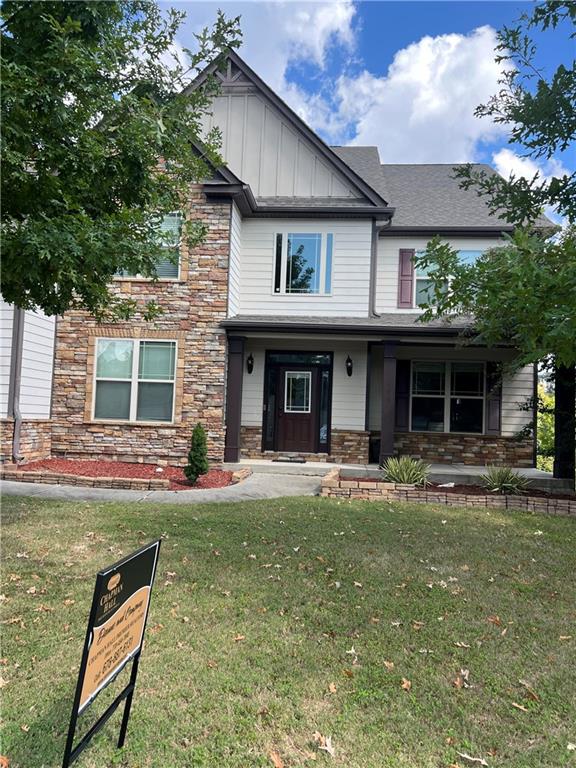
{"type": "Point", "coordinates": [114, 638]}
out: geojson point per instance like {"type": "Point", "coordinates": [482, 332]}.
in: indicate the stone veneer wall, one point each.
{"type": "Point", "coordinates": [465, 449]}
{"type": "Point", "coordinates": [193, 308]}
{"type": "Point", "coordinates": [347, 447]}
{"type": "Point", "coordinates": [35, 439]}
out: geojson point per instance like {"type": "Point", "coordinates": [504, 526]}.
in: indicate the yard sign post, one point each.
{"type": "Point", "coordinates": [113, 638]}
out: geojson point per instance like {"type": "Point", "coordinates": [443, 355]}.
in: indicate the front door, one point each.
{"type": "Point", "coordinates": [297, 409]}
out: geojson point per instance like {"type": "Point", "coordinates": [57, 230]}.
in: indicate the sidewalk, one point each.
{"type": "Point", "coordinates": [257, 486]}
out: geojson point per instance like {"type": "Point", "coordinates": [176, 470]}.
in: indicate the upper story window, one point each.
{"type": "Point", "coordinates": [169, 236]}
{"type": "Point", "coordinates": [134, 380]}
{"type": "Point", "coordinates": [424, 291]}
{"type": "Point", "coordinates": [303, 263]}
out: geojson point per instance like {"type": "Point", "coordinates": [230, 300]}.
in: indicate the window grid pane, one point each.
{"type": "Point", "coordinates": [303, 263]}
{"type": "Point", "coordinates": [112, 400]}
{"type": "Point", "coordinates": [428, 379]}
{"type": "Point", "coordinates": [157, 359]}
{"type": "Point", "coordinates": [297, 392]}
{"type": "Point", "coordinates": [114, 359]}
{"type": "Point", "coordinates": [154, 401]}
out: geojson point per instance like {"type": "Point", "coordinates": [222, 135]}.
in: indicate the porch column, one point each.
{"type": "Point", "coordinates": [388, 415]}
{"type": "Point", "coordinates": [234, 397]}
{"type": "Point", "coordinates": [564, 422]}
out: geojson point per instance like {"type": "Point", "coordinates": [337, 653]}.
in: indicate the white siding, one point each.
{"type": "Point", "coordinates": [348, 392]}
{"type": "Point", "coordinates": [261, 147]}
{"type": "Point", "coordinates": [387, 265]}
{"type": "Point", "coordinates": [350, 269]}
{"type": "Point", "coordinates": [234, 266]}
{"type": "Point", "coordinates": [6, 321]}
{"type": "Point", "coordinates": [37, 362]}
{"type": "Point", "coordinates": [516, 389]}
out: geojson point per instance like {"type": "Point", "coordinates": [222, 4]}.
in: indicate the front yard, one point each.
{"type": "Point", "coordinates": [412, 636]}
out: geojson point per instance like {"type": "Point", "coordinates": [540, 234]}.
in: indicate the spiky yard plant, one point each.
{"type": "Point", "coordinates": [405, 470]}
{"type": "Point", "coordinates": [504, 480]}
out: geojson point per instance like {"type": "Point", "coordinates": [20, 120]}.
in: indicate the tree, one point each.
{"type": "Point", "coordinates": [197, 455]}
{"type": "Point", "coordinates": [99, 142]}
{"type": "Point", "coordinates": [523, 293]}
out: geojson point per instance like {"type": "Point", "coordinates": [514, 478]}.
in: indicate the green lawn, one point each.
{"type": "Point", "coordinates": [271, 621]}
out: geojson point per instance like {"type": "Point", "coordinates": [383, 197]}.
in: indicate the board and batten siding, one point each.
{"type": "Point", "coordinates": [6, 324]}
{"type": "Point", "coordinates": [348, 392]}
{"type": "Point", "coordinates": [387, 264]}
{"type": "Point", "coordinates": [517, 388]}
{"type": "Point", "coordinates": [234, 262]}
{"type": "Point", "coordinates": [261, 147]}
{"type": "Point", "coordinates": [350, 269]}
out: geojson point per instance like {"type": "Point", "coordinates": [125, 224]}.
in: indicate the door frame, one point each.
{"type": "Point", "coordinates": [268, 368]}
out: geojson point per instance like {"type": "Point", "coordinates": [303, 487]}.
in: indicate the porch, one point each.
{"type": "Point", "coordinates": [340, 398]}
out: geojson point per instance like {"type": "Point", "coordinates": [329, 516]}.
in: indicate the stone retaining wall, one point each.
{"type": "Point", "coordinates": [336, 487]}
{"type": "Point", "coordinates": [59, 478]}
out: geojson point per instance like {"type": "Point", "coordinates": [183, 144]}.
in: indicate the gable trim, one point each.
{"type": "Point", "coordinates": [297, 123]}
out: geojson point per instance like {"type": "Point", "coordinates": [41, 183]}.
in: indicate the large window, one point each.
{"type": "Point", "coordinates": [134, 380]}
{"type": "Point", "coordinates": [303, 263]}
{"type": "Point", "coordinates": [447, 397]}
{"type": "Point", "coordinates": [424, 292]}
{"type": "Point", "coordinates": [168, 264]}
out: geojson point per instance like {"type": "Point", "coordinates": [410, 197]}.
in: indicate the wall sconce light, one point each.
{"type": "Point", "coordinates": [250, 363]}
{"type": "Point", "coordinates": [349, 365]}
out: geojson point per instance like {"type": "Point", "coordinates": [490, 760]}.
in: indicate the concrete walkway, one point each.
{"type": "Point", "coordinates": [257, 486]}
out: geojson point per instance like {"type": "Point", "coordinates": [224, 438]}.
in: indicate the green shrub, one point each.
{"type": "Point", "coordinates": [546, 463]}
{"type": "Point", "coordinates": [406, 471]}
{"type": "Point", "coordinates": [198, 455]}
{"type": "Point", "coordinates": [504, 480]}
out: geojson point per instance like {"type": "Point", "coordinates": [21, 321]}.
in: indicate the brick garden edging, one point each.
{"type": "Point", "coordinates": [336, 487]}
{"type": "Point", "coordinates": [134, 483]}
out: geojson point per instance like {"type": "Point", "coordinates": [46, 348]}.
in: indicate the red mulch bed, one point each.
{"type": "Point", "coordinates": [477, 490]}
{"type": "Point", "coordinates": [215, 478]}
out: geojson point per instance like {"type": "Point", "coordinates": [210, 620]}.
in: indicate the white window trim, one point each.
{"type": "Point", "coordinates": [448, 396]}
{"type": "Point", "coordinates": [134, 380]}
{"type": "Point", "coordinates": [284, 263]}
{"type": "Point", "coordinates": [303, 374]}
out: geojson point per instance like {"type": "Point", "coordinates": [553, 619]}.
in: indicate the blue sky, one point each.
{"type": "Point", "coordinates": [404, 76]}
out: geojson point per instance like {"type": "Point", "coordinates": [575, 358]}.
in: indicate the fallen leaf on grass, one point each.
{"type": "Point", "coordinates": [570, 747]}
{"type": "Point", "coordinates": [358, 584]}
{"type": "Point", "coordinates": [470, 759]}
{"type": "Point", "coordinates": [25, 728]}
{"type": "Point", "coordinates": [406, 684]}
{"type": "Point", "coordinates": [239, 638]}
{"type": "Point", "coordinates": [348, 672]}
{"type": "Point", "coordinates": [324, 743]}
{"type": "Point", "coordinates": [530, 691]}
{"type": "Point", "coordinates": [332, 687]}
{"type": "Point", "coordinates": [461, 645]}
{"type": "Point", "coordinates": [4, 762]}
{"type": "Point", "coordinates": [495, 620]}
{"type": "Point", "coordinates": [519, 706]}
{"type": "Point", "coordinates": [277, 761]}
{"type": "Point", "coordinates": [68, 601]}
{"type": "Point", "coordinates": [389, 665]}
{"type": "Point", "coordinates": [31, 591]}
{"type": "Point", "coordinates": [462, 681]}
{"type": "Point", "coordinates": [212, 664]}
{"type": "Point", "coordinates": [417, 625]}
{"type": "Point", "coordinates": [3, 682]}
{"type": "Point", "coordinates": [565, 637]}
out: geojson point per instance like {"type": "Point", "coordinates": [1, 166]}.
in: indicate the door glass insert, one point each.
{"type": "Point", "coordinates": [297, 391]}
{"type": "Point", "coordinates": [324, 408]}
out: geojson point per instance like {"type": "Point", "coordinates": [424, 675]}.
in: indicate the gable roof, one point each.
{"type": "Point", "coordinates": [237, 75]}
{"type": "Point", "coordinates": [427, 196]}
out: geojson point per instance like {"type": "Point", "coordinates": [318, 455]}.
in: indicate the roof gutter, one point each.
{"type": "Point", "coordinates": [289, 327]}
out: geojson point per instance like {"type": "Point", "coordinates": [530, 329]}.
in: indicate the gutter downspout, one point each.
{"type": "Point", "coordinates": [377, 227]}
{"type": "Point", "coordinates": [15, 380]}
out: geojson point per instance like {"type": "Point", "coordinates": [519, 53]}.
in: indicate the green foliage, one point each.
{"type": "Point", "coordinates": [405, 470]}
{"type": "Point", "coordinates": [521, 293]}
{"type": "Point", "coordinates": [540, 116]}
{"type": "Point", "coordinates": [545, 428]}
{"type": "Point", "coordinates": [504, 480]}
{"type": "Point", "coordinates": [97, 145]}
{"type": "Point", "coordinates": [198, 455]}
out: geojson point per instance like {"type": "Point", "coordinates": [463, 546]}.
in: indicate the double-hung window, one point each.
{"type": "Point", "coordinates": [424, 291]}
{"type": "Point", "coordinates": [447, 397]}
{"type": "Point", "coordinates": [169, 236]}
{"type": "Point", "coordinates": [134, 380]}
{"type": "Point", "coordinates": [303, 263]}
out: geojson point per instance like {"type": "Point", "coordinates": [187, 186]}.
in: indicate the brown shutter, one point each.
{"type": "Point", "coordinates": [406, 278]}
{"type": "Point", "coordinates": [402, 396]}
{"type": "Point", "coordinates": [493, 398]}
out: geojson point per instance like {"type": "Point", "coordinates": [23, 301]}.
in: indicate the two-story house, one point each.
{"type": "Point", "coordinates": [294, 328]}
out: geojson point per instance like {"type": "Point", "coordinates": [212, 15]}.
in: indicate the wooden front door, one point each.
{"type": "Point", "coordinates": [297, 409]}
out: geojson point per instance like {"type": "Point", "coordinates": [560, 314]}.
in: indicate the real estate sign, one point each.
{"type": "Point", "coordinates": [114, 637]}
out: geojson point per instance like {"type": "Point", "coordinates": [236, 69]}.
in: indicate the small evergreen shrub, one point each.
{"type": "Point", "coordinates": [405, 470]}
{"type": "Point", "coordinates": [504, 480]}
{"type": "Point", "coordinates": [198, 455]}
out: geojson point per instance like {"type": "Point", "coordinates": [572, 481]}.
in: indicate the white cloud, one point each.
{"type": "Point", "coordinates": [423, 109]}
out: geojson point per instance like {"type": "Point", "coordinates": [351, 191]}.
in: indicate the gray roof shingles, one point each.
{"type": "Point", "coordinates": [385, 321]}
